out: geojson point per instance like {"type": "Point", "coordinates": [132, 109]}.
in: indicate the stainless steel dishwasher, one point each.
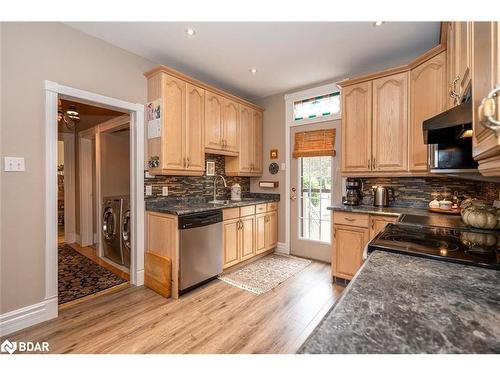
{"type": "Point", "coordinates": [200, 247]}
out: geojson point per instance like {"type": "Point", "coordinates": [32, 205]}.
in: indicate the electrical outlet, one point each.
{"type": "Point", "coordinates": [164, 191]}
{"type": "Point", "coordinates": [149, 190]}
{"type": "Point", "coordinates": [12, 164]}
{"type": "Point", "coordinates": [148, 175]}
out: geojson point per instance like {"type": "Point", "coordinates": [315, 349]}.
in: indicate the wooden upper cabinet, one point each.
{"type": "Point", "coordinates": [230, 122]}
{"type": "Point", "coordinates": [485, 77]}
{"type": "Point", "coordinates": [195, 128]}
{"type": "Point", "coordinates": [390, 123]}
{"type": "Point", "coordinates": [213, 121]}
{"type": "Point", "coordinates": [463, 55]}
{"type": "Point", "coordinates": [427, 99]}
{"type": "Point", "coordinates": [257, 166]}
{"type": "Point", "coordinates": [173, 129]}
{"type": "Point", "coordinates": [356, 127]}
{"type": "Point", "coordinates": [249, 159]}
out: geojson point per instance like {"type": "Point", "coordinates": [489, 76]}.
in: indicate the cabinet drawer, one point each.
{"type": "Point", "coordinates": [272, 206]}
{"type": "Point", "coordinates": [247, 211]}
{"type": "Point", "coordinates": [260, 208]}
{"type": "Point", "coordinates": [230, 213]}
{"type": "Point", "coordinates": [349, 218]}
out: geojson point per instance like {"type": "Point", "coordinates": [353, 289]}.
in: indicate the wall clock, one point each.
{"type": "Point", "coordinates": [274, 168]}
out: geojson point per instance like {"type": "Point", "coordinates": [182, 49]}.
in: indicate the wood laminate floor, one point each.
{"type": "Point", "coordinates": [216, 318]}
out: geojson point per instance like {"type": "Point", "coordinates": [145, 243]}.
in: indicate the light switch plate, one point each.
{"type": "Point", "coordinates": [149, 190]}
{"type": "Point", "coordinates": [283, 166]}
{"type": "Point", "coordinates": [164, 191]}
{"type": "Point", "coordinates": [13, 164]}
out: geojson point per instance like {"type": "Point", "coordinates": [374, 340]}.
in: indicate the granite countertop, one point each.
{"type": "Point", "coordinates": [406, 304]}
{"type": "Point", "coordinates": [388, 211]}
{"type": "Point", "coordinates": [183, 206]}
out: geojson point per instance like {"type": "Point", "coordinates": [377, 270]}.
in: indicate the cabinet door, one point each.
{"type": "Point", "coordinates": [231, 242]}
{"type": "Point", "coordinates": [348, 245]}
{"type": "Point", "coordinates": [427, 99]}
{"type": "Point", "coordinates": [390, 123]}
{"type": "Point", "coordinates": [260, 233]}
{"type": "Point", "coordinates": [378, 224]}
{"type": "Point", "coordinates": [463, 55]}
{"type": "Point", "coordinates": [257, 143]}
{"type": "Point", "coordinates": [230, 134]}
{"type": "Point", "coordinates": [450, 64]}
{"type": "Point", "coordinates": [247, 232]}
{"type": "Point", "coordinates": [195, 127]}
{"type": "Point", "coordinates": [246, 139]}
{"type": "Point", "coordinates": [173, 135]}
{"type": "Point", "coordinates": [357, 127]}
{"type": "Point", "coordinates": [271, 236]}
{"type": "Point", "coordinates": [213, 120]}
{"type": "Point", "coordinates": [485, 77]}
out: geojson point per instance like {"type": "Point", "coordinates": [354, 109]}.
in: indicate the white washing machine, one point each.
{"type": "Point", "coordinates": [111, 228]}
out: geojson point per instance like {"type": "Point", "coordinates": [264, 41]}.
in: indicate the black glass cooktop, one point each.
{"type": "Point", "coordinates": [454, 245]}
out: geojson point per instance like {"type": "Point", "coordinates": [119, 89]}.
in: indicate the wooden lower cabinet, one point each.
{"type": "Point", "coordinates": [248, 236]}
{"type": "Point", "coordinates": [378, 224]}
{"type": "Point", "coordinates": [231, 235]}
{"type": "Point", "coordinates": [351, 233]}
{"type": "Point", "coordinates": [348, 245]}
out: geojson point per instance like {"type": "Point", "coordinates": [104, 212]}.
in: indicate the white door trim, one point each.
{"type": "Point", "coordinates": [86, 229]}
{"type": "Point", "coordinates": [289, 123]}
{"type": "Point", "coordinates": [69, 188]}
{"type": "Point", "coordinates": [54, 90]}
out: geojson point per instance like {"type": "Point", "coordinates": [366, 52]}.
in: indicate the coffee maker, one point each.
{"type": "Point", "coordinates": [354, 192]}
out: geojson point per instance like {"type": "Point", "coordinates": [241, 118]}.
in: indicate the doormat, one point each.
{"type": "Point", "coordinates": [78, 276]}
{"type": "Point", "coordinates": [266, 273]}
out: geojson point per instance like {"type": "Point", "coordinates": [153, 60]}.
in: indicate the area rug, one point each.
{"type": "Point", "coordinates": [266, 273]}
{"type": "Point", "coordinates": [78, 276]}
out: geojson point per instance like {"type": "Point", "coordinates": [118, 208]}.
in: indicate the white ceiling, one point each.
{"type": "Point", "coordinates": [287, 55]}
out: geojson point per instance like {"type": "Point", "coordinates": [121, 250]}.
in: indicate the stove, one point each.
{"type": "Point", "coordinates": [459, 245]}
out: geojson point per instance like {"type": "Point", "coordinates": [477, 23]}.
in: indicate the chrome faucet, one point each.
{"type": "Point", "coordinates": [215, 185]}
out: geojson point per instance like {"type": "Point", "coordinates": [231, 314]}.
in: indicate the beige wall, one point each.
{"type": "Point", "coordinates": [32, 53]}
{"type": "Point", "coordinates": [115, 163]}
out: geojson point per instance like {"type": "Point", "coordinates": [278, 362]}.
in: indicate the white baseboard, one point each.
{"type": "Point", "coordinates": [70, 238]}
{"type": "Point", "coordinates": [77, 239]}
{"type": "Point", "coordinates": [140, 278]}
{"type": "Point", "coordinates": [282, 247]}
{"type": "Point", "coordinates": [27, 316]}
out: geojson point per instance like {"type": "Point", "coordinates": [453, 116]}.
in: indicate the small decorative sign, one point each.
{"type": "Point", "coordinates": [153, 118]}
{"type": "Point", "coordinates": [210, 168]}
{"type": "Point", "coordinates": [273, 154]}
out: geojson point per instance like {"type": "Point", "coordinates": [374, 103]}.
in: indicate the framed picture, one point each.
{"type": "Point", "coordinates": [273, 154]}
{"type": "Point", "coordinates": [210, 168]}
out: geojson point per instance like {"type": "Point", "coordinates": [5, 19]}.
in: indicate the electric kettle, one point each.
{"type": "Point", "coordinates": [382, 196]}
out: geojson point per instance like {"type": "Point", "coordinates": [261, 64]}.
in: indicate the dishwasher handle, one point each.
{"type": "Point", "coordinates": [199, 219]}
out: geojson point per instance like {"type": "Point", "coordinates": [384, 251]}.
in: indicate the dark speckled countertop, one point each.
{"type": "Point", "coordinates": [405, 304]}
{"type": "Point", "coordinates": [183, 206]}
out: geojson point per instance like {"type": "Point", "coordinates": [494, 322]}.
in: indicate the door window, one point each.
{"type": "Point", "coordinates": [315, 182]}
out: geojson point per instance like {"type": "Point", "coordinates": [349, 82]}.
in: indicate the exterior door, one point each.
{"type": "Point", "coordinates": [195, 126]}
{"type": "Point", "coordinates": [313, 182]}
{"type": "Point", "coordinates": [390, 123]}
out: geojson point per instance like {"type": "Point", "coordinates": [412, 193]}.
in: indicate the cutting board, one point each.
{"type": "Point", "coordinates": [456, 211]}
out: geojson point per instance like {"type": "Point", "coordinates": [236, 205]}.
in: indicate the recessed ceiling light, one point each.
{"type": "Point", "coordinates": [190, 32]}
{"type": "Point", "coordinates": [253, 71]}
{"type": "Point", "coordinates": [378, 23]}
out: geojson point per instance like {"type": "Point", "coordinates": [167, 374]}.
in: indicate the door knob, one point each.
{"type": "Point", "coordinates": [293, 195]}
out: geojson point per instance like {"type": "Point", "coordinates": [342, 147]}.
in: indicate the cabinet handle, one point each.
{"type": "Point", "coordinates": [373, 224]}
{"type": "Point", "coordinates": [369, 163]}
{"type": "Point", "coordinates": [184, 162]}
{"type": "Point", "coordinates": [187, 162]}
{"type": "Point", "coordinates": [334, 233]}
{"type": "Point", "coordinates": [453, 90]}
{"type": "Point", "coordinates": [349, 219]}
{"type": "Point", "coordinates": [487, 111]}
{"type": "Point", "coordinates": [374, 163]}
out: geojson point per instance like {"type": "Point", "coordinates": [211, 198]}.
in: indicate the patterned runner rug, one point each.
{"type": "Point", "coordinates": [78, 276]}
{"type": "Point", "coordinates": [266, 273]}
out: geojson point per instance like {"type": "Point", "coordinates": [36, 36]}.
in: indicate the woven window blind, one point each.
{"type": "Point", "coordinates": [315, 143]}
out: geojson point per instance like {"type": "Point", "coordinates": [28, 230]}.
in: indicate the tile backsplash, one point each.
{"type": "Point", "coordinates": [196, 186]}
{"type": "Point", "coordinates": [417, 191]}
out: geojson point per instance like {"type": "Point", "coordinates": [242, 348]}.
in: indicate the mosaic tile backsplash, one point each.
{"type": "Point", "coordinates": [417, 191]}
{"type": "Point", "coordinates": [199, 186]}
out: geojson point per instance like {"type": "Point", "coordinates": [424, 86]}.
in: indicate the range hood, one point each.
{"type": "Point", "coordinates": [449, 126]}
